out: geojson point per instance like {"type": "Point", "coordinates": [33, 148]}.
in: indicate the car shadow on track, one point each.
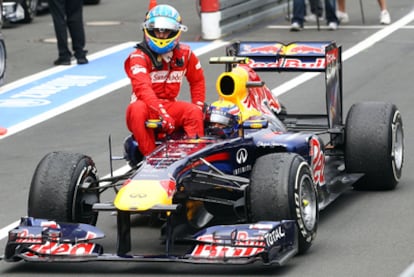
{"type": "Point", "coordinates": [153, 269]}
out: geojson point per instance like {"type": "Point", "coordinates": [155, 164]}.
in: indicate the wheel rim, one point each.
{"type": "Point", "coordinates": [84, 199]}
{"type": "Point", "coordinates": [397, 145]}
{"type": "Point", "coordinates": [308, 207]}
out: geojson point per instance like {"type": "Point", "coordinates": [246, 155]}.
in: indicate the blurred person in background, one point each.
{"type": "Point", "coordinates": [299, 12]}
{"type": "Point", "coordinates": [385, 17]}
{"type": "Point", "coordinates": [67, 16]}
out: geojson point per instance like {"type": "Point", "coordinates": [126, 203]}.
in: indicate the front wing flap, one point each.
{"type": "Point", "coordinates": [37, 240]}
{"type": "Point", "coordinates": [271, 242]}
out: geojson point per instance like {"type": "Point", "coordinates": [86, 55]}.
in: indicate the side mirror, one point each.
{"type": "Point", "coordinates": [255, 124]}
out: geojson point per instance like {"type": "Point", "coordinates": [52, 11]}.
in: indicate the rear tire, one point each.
{"type": "Point", "coordinates": [282, 188]}
{"type": "Point", "coordinates": [374, 145]}
{"type": "Point", "coordinates": [55, 190]}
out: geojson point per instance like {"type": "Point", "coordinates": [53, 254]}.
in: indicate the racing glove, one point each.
{"type": "Point", "coordinates": [168, 123]}
{"type": "Point", "coordinates": [202, 106]}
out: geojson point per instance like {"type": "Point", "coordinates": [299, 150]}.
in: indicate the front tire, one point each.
{"type": "Point", "coordinates": [374, 145]}
{"type": "Point", "coordinates": [282, 188]}
{"type": "Point", "coordinates": [64, 188]}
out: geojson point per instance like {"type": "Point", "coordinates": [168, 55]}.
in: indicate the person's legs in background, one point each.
{"type": "Point", "coordinates": [74, 9]}
{"type": "Point", "coordinates": [299, 10]}
{"type": "Point", "coordinates": [298, 15]}
{"type": "Point", "coordinates": [385, 17]}
{"type": "Point", "coordinates": [331, 19]}
{"type": "Point", "coordinates": [316, 9]}
{"type": "Point", "coordinates": [341, 12]}
{"type": "Point", "coordinates": [57, 10]}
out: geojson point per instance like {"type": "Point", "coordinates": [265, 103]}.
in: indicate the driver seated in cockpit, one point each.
{"type": "Point", "coordinates": [223, 119]}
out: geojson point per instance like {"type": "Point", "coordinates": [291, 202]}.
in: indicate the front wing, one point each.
{"type": "Point", "coordinates": [39, 240]}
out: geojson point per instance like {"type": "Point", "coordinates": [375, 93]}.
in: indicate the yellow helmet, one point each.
{"type": "Point", "coordinates": [223, 119]}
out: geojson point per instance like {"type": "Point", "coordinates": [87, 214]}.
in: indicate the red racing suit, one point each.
{"type": "Point", "coordinates": [155, 85]}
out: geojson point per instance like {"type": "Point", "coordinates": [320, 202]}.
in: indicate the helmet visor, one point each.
{"type": "Point", "coordinates": [163, 23]}
{"type": "Point", "coordinates": [221, 118]}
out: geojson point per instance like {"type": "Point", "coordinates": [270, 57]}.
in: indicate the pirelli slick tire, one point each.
{"type": "Point", "coordinates": [63, 188]}
{"type": "Point", "coordinates": [374, 145]}
{"type": "Point", "coordinates": [282, 188]}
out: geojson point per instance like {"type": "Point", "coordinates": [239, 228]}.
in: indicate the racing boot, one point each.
{"type": "Point", "coordinates": [131, 152]}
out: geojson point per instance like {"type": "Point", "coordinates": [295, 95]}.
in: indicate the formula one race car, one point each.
{"type": "Point", "coordinates": [252, 197]}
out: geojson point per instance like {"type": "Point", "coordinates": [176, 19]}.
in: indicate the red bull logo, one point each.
{"type": "Point", "coordinates": [317, 162]}
{"type": "Point", "coordinates": [244, 246]}
{"type": "Point", "coordinates": [272, 49]}
{"type": "Point", "coordinates": [290, 63]}
{"type": "Point", "coordinates": [332, 56]}
{"type": "Point", "coordinates": [298, 63]}
{"type": "Point", "coordinates": [260, 98]}
{"type": "Point", "coordinates": [301, 49]}
{"type": "Point", "coordinates": [278, 48]}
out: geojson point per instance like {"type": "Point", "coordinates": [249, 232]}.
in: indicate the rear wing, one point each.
{"type": "Point", "coordinates": [303, 56]}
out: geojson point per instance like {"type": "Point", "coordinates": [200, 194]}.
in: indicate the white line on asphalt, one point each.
{"type": "Point", "coordinates": [341, 27]}
{"type": "Point", "coordinates": [368, 42]}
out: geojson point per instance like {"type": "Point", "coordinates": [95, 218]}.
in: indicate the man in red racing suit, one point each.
{"type": "Point", "coordinates": [156, 70]}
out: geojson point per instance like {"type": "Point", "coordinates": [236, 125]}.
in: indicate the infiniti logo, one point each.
{"type": "Point", "coordinates": [241, 156]}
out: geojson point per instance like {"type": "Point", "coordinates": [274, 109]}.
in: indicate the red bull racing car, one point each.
{"type": "Point", "coordinates": [252, 197]}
